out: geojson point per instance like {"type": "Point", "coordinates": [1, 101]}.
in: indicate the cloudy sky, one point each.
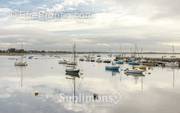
{"type": "Point", "coordinates": [110, 25]}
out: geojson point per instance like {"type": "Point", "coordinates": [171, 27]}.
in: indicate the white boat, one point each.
{"type": "Point", "coordinates": [133, 71]}
{"type": "Point", "coordinates": [21, 62]}
{"type": "Point", "coordinates": [63, 61]}
{"type": "Point", "coordinates": [99, 60]}
{"type": "Point", "coordinates": [172, 64]}
{"type": "Point", "coordinates": [71, 63]}
{"type": "Point", "coordinates": [107, 60]}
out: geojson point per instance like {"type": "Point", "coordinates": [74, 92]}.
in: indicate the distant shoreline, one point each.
{"type": "Point", "coordinates": [46, 53]}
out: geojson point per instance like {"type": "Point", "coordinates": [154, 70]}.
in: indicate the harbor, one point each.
{"type": "Point", "coordinates": [41, 83]}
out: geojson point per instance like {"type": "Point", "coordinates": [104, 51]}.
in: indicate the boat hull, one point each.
{"type": "Point", "coordinates": [134, 63]}
{"type": "Point", "coordinates": [62, 62]}
{"type": "Point", "coordinates": [119, 62]}
{"type": "Point", "coordinates": [22, 64]}
{"type": "Point", "coordinates": [172, 64]}
{"type": "Point", "coordinates": [112, 68]}
{"type": "Point", "coordinates": [134, 72]}
{"type": "Point", "coordinates": [73, 72]}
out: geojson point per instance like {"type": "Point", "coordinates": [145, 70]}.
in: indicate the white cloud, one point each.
{"type": "Point", "coordinates": [75, 2]}
{"type": "Point", "coordinates": [82, 40]}
{"type": "Point", "coordinates": [5, 10]}
{"type": "Point", "coordinates": [19, 2]}
{"type": "Point", "coordinates": [56, 8]}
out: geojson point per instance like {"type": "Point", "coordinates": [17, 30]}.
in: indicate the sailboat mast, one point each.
{"type": "Point", "coordinates": [173, 50]}
{"type": "Point", "coordinates": [74, 53]}
{"type": "Point", "coordinates": [173, 53]}
{"type": "Point", "coordinates": [22, 52]}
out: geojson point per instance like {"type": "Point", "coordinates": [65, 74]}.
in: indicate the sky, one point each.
{"type": "Point", "coordinates": [95, 25]}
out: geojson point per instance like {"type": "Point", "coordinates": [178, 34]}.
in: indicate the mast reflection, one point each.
{"type": "Point", "coordinates": [73, 77]}
{"type": "Point", "coordinates": [136, 79]}
{"type": "Point", "coordinates": [20, 72]}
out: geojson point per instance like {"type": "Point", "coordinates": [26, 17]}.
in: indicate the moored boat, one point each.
{"type": "Point", "coordinates": [99, 60]}
{"type": "Point", "coordinates": [133, 71]}
{"type": "Point", "coordinates": [172, 64]}
{"type": "Point", "coordinates": [21, 63]}
{"type": "Point", "coordinates": [112, 68]}
{"type": "Point", "coordinates": [63, 61]}
{"type": "Point", "coordinates": [120, 62]}
{"type": "Point", "coordinates": [134, 63]}
{"type": "Point", "coordinates": [140, 67]}
{"type": "Point", "coordinates": [82, 59]}
{"type": "Point", "coordinates": [106, 60]}
{"type": "Point", "coordinates": [72, 69]}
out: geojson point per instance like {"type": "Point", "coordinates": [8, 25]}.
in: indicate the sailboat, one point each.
{"type": "Point", "coordinates": [21, 62]}
{"type": "Point", "coordinates": [133, 60]}
{"type": "Point", "coordinates": [72, 69]}
{"type": "Point", "coordinates": [113, 66]}
{"type": "Point", "coordinates": [172, 63]}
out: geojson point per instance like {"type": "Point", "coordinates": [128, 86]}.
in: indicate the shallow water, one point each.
{"type": "Point", "coordinates": [158, 92]}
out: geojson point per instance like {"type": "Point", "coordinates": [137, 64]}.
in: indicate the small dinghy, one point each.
{"type": "Point", "coordinates": [21, 63]}
{"type": "Point", "coordinates": [134, 63]}
{"type": "Point", "coordinates": [172, 64]}
{"type": "Point", "coordinates": [133, 71]}
{"type": "Point", "coordinates": [72, 71]}
{"type": "Point", "coordinates": [141, 67]}
{"type": "Point", "coordinates": [99, 60]}
{"type": "Point", "coordinates": [112, 67]}
{"type": "Point", "coordinates": [120, 62]}
{"type": "Point", "coordinates": [63, 61]}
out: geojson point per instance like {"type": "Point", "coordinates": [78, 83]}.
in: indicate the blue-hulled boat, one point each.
{"type": "Point", "coordinates": [112, 68]}
{"type": "Point", "coordinates": [120, 62]}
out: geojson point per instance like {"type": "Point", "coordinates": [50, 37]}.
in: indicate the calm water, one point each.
{"type": "Point", "coordinates": [158, 92]}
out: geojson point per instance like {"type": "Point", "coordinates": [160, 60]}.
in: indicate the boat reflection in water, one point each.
{"type": "Point", "coordinates": [113, 68]}
{"type": "Point", "coordinates": [20, 71]}
{"type": "Point", "coordinates": [76, 75]}
{"type": "Point", "coordinates": [173, 77]}
{"type": "Point", "coordinates": [113, 72]}
{"type": "Point", "coordinates": [137, 77]}
{"type": "Point", "coordinates": [73, 77]}
{"type": "Point", "coordinates": [173, 71]}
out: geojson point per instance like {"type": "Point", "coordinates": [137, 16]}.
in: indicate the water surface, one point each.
{"type": "Point", "coordinates": [156, 92]}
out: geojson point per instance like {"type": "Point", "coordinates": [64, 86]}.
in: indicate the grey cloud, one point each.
{"type": "Point", "coordinates": [154, 31]}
